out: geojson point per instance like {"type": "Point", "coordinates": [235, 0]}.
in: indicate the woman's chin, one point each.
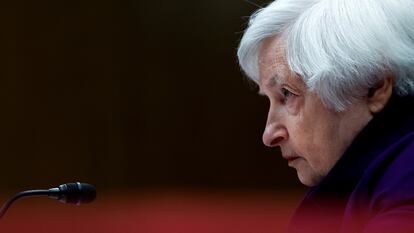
{"type": "Point", "coordinates": [307, 178]}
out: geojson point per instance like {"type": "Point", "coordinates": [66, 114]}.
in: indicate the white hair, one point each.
{"type": "Point", "coordinates": [340, 48]}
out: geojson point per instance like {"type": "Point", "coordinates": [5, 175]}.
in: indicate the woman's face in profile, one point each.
{"type": "Point", "coordinates": [311, 136]}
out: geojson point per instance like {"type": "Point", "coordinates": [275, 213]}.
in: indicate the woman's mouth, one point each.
{"type": "Point", "coordinates": [291, 159]}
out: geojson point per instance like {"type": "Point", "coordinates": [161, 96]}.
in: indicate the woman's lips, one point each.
{"type": "Point", "coordinates": [291, 158]}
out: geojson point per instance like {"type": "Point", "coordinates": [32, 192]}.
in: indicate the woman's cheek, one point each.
{"type": "Point", "coordinates": [293, 105]}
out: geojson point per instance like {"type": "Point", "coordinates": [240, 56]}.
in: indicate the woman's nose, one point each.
{"type": "Point", "coordinates": [274, 135]}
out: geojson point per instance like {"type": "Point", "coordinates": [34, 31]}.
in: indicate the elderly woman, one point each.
{"type": "Point", "coordinates": [339, 75]}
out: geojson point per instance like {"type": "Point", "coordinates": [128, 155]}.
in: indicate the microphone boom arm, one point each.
{"type": "Point", "coordinates": [72, 193]}
{"type": "Point", "coordinates": [7, 204]}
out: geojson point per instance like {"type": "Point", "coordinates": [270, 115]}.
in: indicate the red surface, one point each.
{"type": "Point", "coordinates": [156, 212]}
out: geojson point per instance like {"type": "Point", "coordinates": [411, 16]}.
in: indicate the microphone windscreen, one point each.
{"type": "Point", "coordinates": [77, 193]}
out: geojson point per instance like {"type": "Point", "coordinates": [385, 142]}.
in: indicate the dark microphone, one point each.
{"type": "Point", "coordinates": [72, 193]}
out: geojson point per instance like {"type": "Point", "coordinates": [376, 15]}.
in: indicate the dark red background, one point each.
{"type": "Point", "coordinates": [157, 211]}
{"type": "Point", "coordinates": [134, 96]}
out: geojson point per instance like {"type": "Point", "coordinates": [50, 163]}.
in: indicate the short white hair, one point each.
{"type": "Point", "coordinates": [340, 48]}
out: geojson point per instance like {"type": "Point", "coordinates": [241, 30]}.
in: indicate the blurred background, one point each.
{"type": "Point", "coordinates": [131, 96]}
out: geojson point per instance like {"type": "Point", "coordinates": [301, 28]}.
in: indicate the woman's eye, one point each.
{"type": "Point", "coordinates": [286, 93]}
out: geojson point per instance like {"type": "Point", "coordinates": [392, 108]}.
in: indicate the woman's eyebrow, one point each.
{"type": "Point", "coordinates": [273, 80]}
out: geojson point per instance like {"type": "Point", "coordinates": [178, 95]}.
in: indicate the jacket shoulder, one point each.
{"type": "Point", "coordinates": [384, 197]}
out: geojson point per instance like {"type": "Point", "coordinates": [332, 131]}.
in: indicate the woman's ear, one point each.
{"type": "Point", "coordinates": [379, 95]}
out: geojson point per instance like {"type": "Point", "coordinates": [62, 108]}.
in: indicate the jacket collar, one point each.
{"type": "Point", "coordinates": [329, 198]}
{"type": "Point", "coordinates": [386, 128]}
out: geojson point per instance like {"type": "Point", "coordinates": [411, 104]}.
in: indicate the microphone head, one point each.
{"type": "Point", "coordinates": [76, 193]}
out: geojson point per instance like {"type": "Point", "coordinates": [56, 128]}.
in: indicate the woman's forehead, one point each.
{"type": "Point", "coordinates": [272, 60]}
{"type": "Point", "coordinates": [273, 67]}
{"type": "Point", "coordinates": [274, 46]}
{"type": "Point", "coordinates": [279, 75]}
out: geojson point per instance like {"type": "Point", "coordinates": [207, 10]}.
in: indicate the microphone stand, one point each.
{"type": "Point", "coordinates": [71, 193]}
{"type": "Point", "coordinates": [8, 203]}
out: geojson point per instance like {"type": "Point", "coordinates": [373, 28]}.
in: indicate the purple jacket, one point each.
{"type": "Point", "coordinates": [371, 187]}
